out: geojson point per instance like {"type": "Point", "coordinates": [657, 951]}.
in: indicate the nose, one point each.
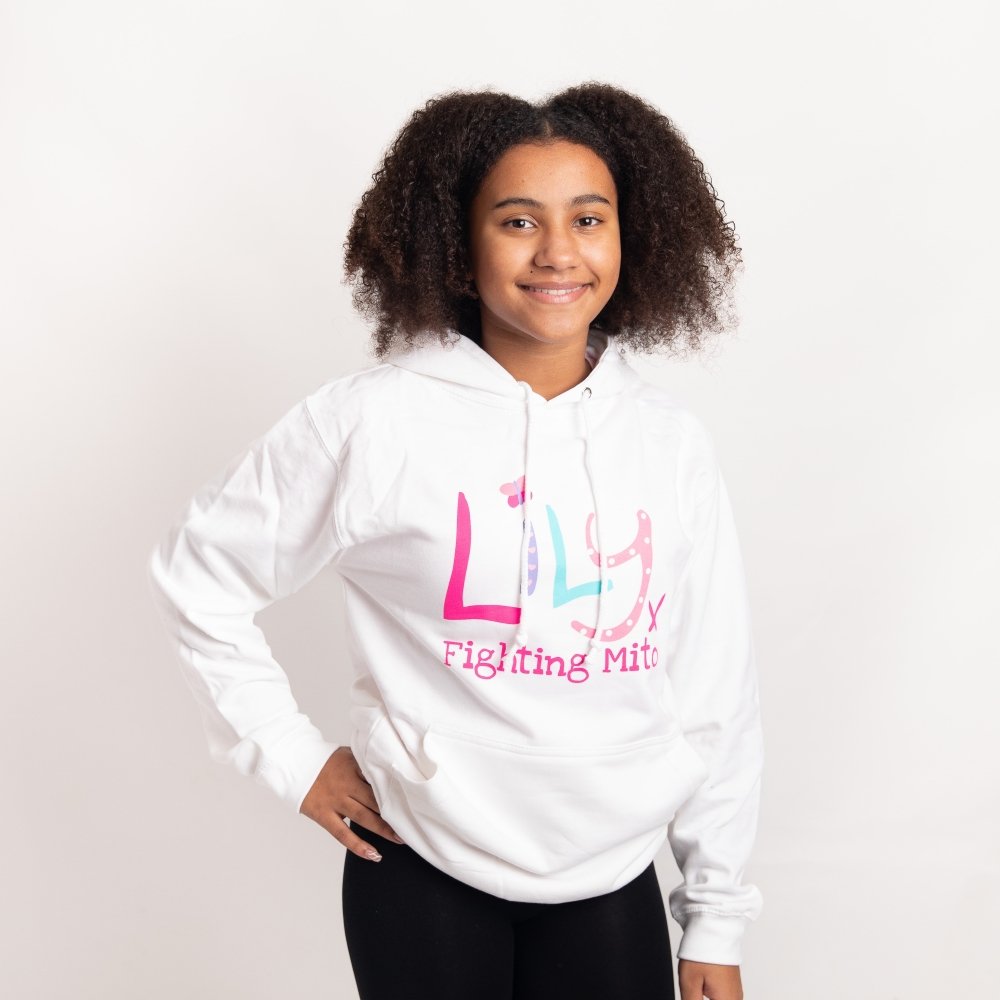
{"type": "Point", "coordinates": [557, 249]}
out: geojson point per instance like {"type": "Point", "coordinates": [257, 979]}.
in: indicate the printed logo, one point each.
{"type": "Point", "coordinates": [563, 592]}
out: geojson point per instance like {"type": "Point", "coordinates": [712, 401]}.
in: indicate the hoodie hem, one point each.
{"type": "Point", "coordinates": [598, 815]}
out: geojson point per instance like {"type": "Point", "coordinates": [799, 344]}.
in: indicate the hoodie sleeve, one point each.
{"type": "Point", "coordinates": [258, 531]}
{"type": "Point", "coordinates": [711, 666]}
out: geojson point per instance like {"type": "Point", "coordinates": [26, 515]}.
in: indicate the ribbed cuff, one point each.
{"type": "Point", "coordinates": [291, 772]}
{"type": "Point", "coordinates": [710, 937]}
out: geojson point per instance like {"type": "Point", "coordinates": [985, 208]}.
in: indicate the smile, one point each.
{"type": "Point", "coordinates": [554, 295]}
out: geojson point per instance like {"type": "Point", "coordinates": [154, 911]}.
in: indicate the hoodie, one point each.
{"type": "Point", "coordinates": [547, 624]}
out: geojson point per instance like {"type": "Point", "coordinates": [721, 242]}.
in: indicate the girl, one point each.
{"type": "Point", "coordinates": [548, 621]}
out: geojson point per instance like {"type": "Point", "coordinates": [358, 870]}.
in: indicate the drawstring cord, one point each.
{"type": "Point", "coordinates": [520, 634]}
{"type": "Point", "coordinates": [599, 554]}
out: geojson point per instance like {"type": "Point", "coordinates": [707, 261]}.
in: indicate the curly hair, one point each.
{"type": "Point", "coordinates": [406, 252]}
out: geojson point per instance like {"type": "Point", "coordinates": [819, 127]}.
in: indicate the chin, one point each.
{"type": "Point", "coordinates": [566, 329]}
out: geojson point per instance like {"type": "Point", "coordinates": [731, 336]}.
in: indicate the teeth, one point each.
{"type": "Point", "coordinates": [554, 291]}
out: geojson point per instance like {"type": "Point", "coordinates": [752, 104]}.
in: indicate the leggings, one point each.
{"type": "Point", "coordinates": [415, 933]}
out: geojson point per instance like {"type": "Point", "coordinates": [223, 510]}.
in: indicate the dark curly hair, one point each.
{"type": "Point", "coordinates": [407, 252]}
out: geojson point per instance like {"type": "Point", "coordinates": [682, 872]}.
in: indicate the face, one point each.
{"type": "Point", "coordinates": [544, 243]}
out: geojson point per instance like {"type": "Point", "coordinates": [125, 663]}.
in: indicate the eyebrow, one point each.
{"type": "Point", "coordinates": [580, 199]}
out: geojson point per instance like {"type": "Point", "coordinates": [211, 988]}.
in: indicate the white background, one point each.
{"type": "Point", "coordinates": [176, 181]}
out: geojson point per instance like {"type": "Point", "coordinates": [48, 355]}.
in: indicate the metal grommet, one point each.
{"type": "Point", "coordinates": [586, 392]}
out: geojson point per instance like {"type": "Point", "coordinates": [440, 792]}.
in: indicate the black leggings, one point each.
{"type": "Point", "coordinates": [416, 933]}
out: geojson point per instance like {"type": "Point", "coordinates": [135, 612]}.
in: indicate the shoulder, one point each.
{"type": "Point", "coordinates": [668, 418]}
{"type": "Point", "coordinates": [663, 411]}
{"type": "Point", "coordinates": [338, 405]}
{"type": "Point", "coordinates": [340, 390]}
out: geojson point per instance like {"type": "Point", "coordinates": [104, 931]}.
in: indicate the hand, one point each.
{"type": "Point", "coordinates": [702, 979]}
{"type": "Point", "coordinates": [341, 792]}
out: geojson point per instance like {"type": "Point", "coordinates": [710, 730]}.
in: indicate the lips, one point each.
{"type": "Point", "coordinates": [555, 293]}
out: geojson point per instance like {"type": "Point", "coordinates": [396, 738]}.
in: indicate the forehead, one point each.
{"type": "Point", "coordinates": [550, 172]}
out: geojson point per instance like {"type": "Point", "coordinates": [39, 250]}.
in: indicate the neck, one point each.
{"type": "Point", "coordinates": [550, 369]}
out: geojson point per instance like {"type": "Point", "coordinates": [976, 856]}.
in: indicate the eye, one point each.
{"type": "Point", "coordinates": [593, 219]}
{"type": "Point", "coordinates": [513, 223]}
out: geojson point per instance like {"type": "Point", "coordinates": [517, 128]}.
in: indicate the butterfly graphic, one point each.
{"type": "Point", "coordinates": [514, 492]}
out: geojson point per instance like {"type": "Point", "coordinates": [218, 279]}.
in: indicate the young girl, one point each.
{"type": "Point", "coordinates": [547, 614]}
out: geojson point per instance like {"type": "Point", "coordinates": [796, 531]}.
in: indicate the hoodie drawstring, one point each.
{"type": "Point", "coordinates": [520, 634]}
{"type": "Point", "coordinates": [599, 555]}
{"type": "Point", "coordinates": [526, 533]}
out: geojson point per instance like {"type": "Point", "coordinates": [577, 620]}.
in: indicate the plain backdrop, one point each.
{"type": "Point", "coordinates": [176, 181]}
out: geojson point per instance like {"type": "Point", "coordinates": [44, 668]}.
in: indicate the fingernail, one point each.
{"type": "Point", "coordinates": [398, 839]}
{"type": "Point", "coordinates": [373, 854]}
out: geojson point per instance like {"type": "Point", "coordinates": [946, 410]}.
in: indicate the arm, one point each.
{"type": "Point", "coordinates": [712, 670]}
{"type": "Point", "coordinates": [257, 532]}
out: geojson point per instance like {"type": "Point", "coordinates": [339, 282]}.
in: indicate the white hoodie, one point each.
{"type": "Point", "coordinates": [534, 719]}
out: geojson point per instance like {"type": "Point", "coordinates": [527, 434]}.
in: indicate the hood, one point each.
{"type": "Point", "coordinates": [467, 367]}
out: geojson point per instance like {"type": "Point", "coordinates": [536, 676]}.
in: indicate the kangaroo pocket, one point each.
{"type": "Point", "coordinates": [541, 809]}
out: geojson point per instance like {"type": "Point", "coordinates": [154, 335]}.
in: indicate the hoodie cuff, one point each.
{"type": "Point", "coordinates": [711, 937]}
{"type": "Point", "coordinates": [290, 773]}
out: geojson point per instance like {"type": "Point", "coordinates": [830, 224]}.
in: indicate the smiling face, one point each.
{"type": "Point", "coordinates": [544, 243]}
